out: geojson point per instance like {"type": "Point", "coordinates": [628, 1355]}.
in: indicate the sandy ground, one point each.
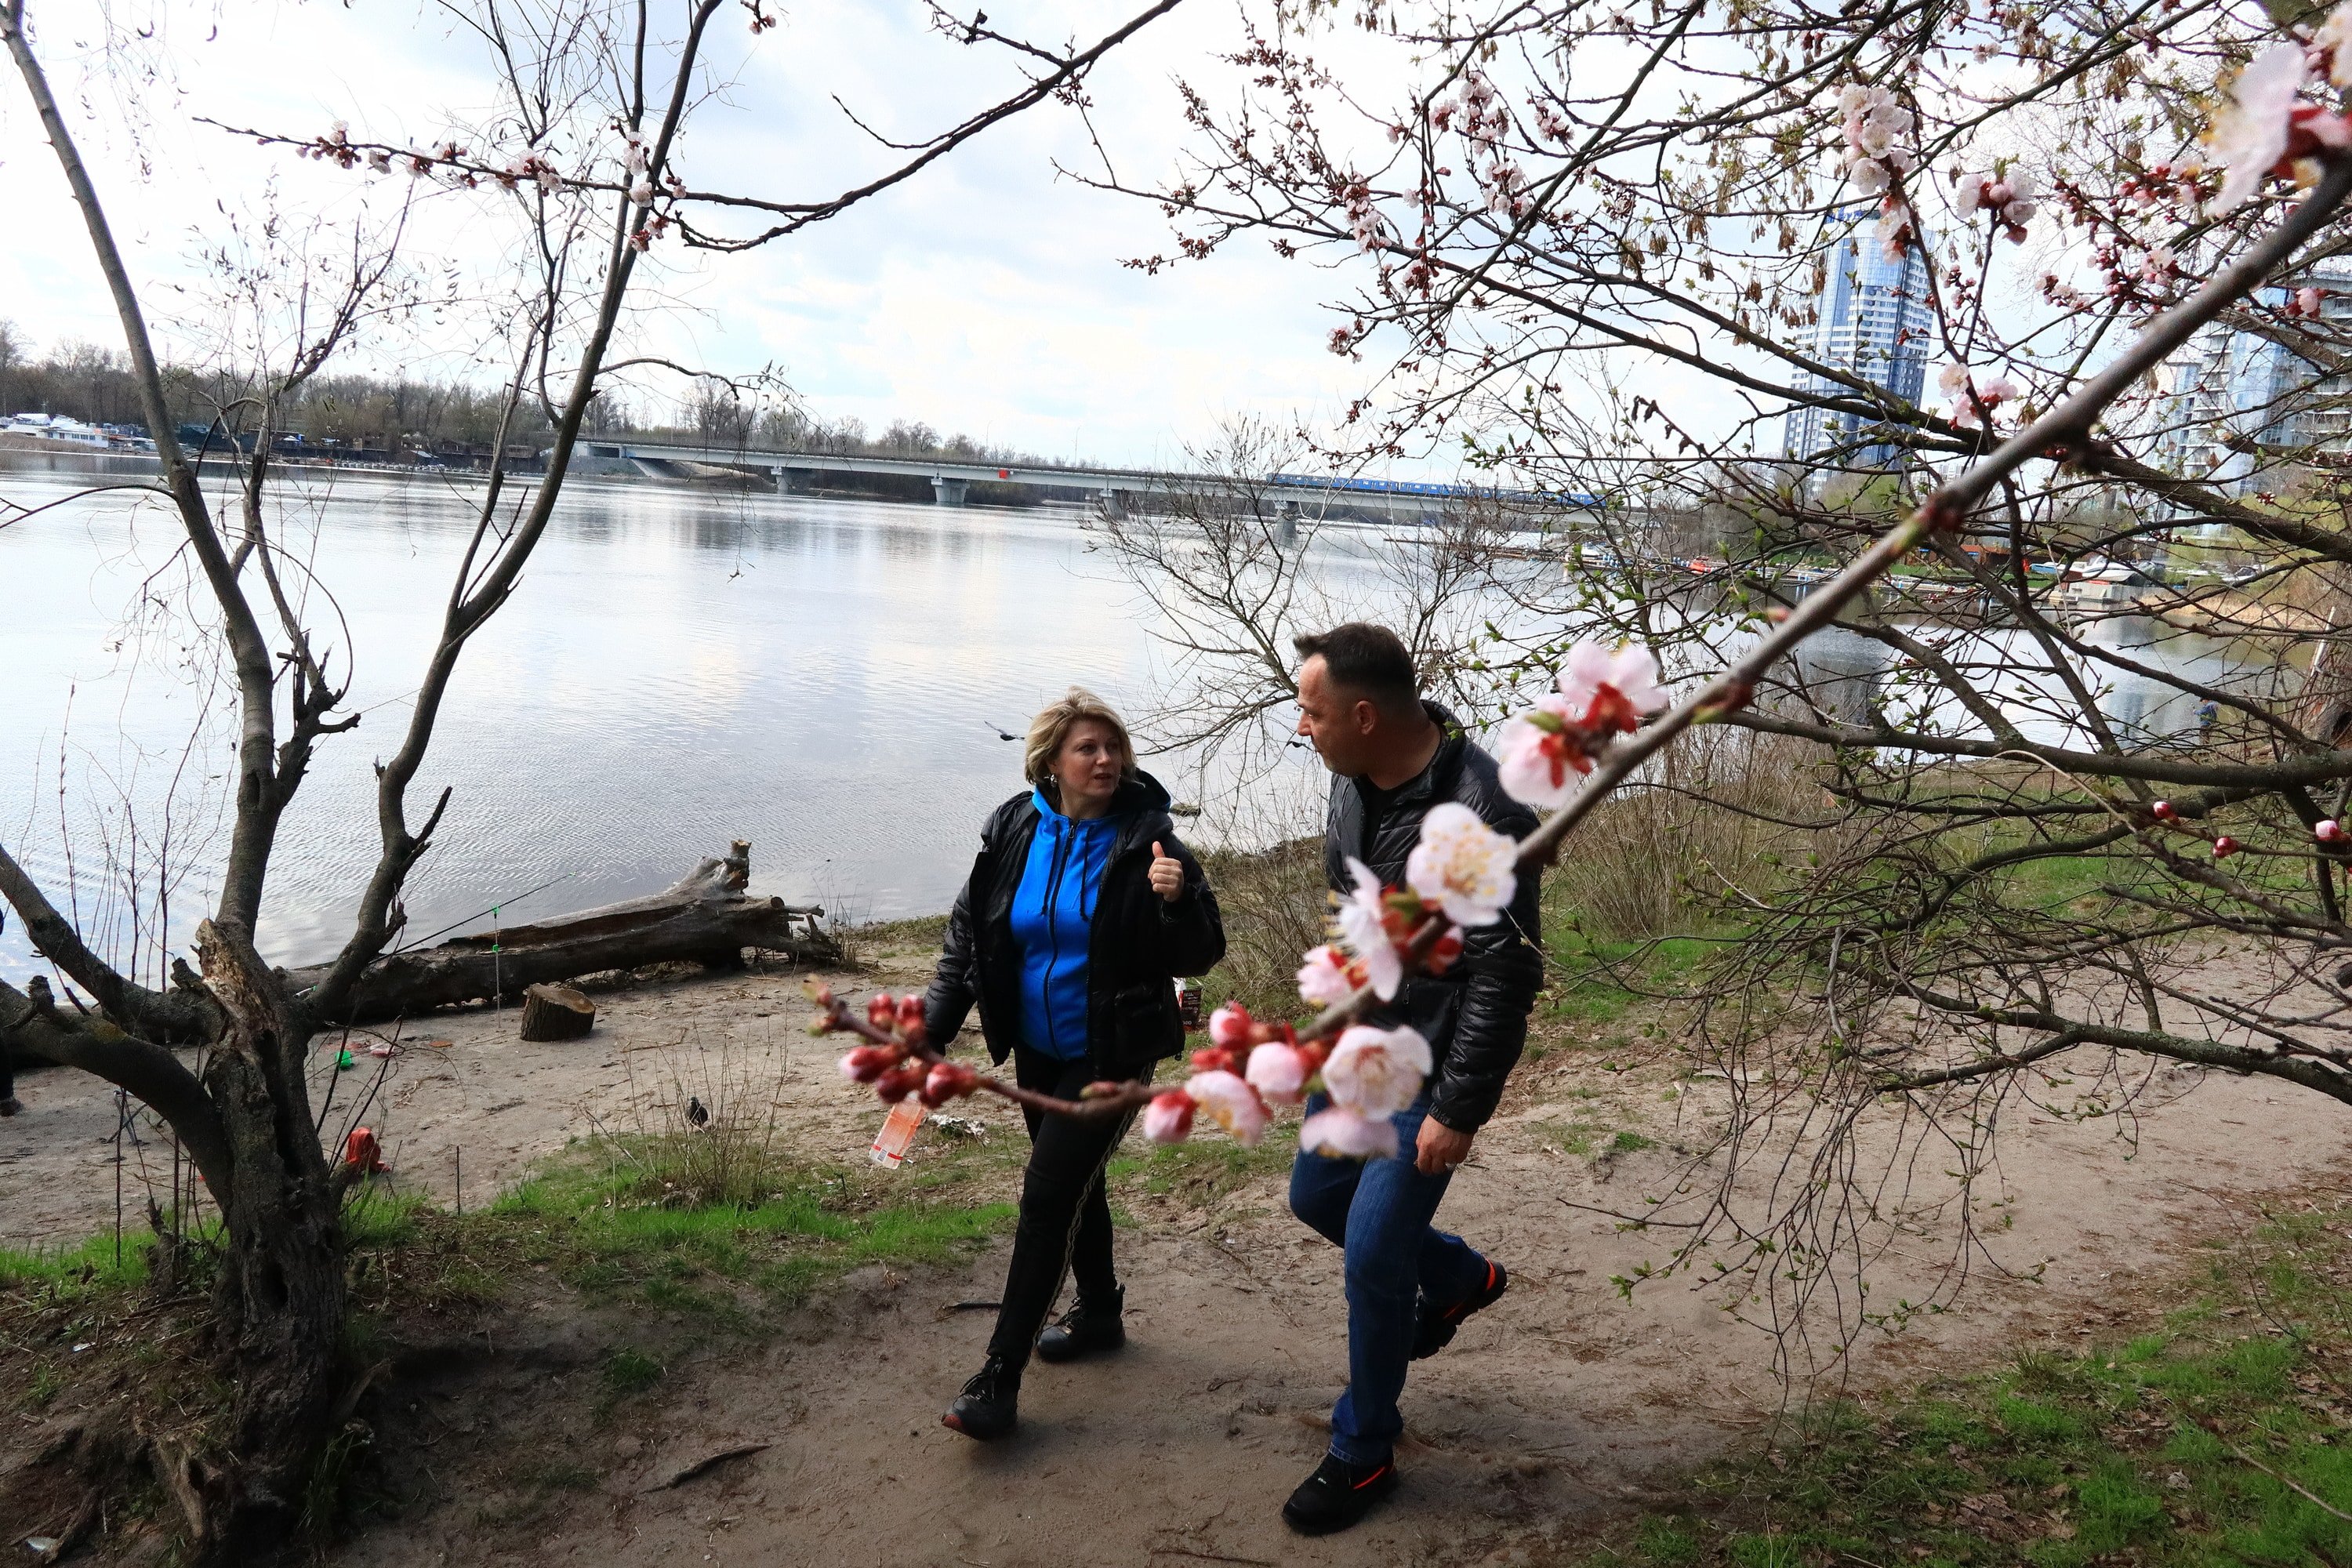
{"type": "Point", "coordinates": [1549, 1411]}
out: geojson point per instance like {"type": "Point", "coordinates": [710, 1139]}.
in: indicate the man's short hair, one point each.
{"type": "Point", "coordinates": [1368, 660]}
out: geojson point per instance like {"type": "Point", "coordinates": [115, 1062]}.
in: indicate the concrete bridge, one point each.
{"type": "Point", "coordinates": [1118, 490]}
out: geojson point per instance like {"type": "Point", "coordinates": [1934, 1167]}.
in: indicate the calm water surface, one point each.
{"type": "Point", "coordinates": [679, 668]}
{"type": "Point", "coordinates": [824, 677]}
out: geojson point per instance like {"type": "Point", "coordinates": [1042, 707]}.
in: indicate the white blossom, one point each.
{"type": "Point", "coordinates": [2249, 136]}
{"type": "Point", "coordinates": [1462, 866]}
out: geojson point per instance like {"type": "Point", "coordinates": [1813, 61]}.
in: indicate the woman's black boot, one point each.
{"type": "Point", "coordinates": [989, 1405]}
{"type": "Point", "coordinates": [1092, 1325]}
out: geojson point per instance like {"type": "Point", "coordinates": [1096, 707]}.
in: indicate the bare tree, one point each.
{"type": "Point", "coordinates": [579, 156]}
{"type": "Point", "coordinates": [1232, 567]}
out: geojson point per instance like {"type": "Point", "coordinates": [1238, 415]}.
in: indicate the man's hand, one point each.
{"type": "Point", "coordinates": [1167, 875]}
{"type": "Point", "coordinates": [1440, 1148]}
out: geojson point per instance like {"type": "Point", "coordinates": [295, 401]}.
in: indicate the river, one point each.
{"type": "Point", "coordinates": [825, 678]}
{"type": "Point", "coordinates": [681, 667]}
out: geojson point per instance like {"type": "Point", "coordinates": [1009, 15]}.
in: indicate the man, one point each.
{"type": "Point", "coordinates": [1409, 1285]}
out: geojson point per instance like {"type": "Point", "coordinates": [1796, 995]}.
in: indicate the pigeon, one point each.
{"type": "Point", "coordinates": [695, 1116]}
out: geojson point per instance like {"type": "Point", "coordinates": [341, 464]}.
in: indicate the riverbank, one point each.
{"type": "Point", "coordinates": [822, 1340]}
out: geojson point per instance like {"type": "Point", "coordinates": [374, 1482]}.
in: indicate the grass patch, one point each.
{"type": "Point", "coordinates": [1589, 1140]}
{"type": "Point", "coordinates": [614, 1232]}
{"type": "Point", "coordinates": [1200, 1171]}
{"type": "Point", "coordinates": [2173, 1449]}
{"type": "Point", "coordinates": [91, 1267]}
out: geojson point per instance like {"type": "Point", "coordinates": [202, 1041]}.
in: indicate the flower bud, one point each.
{"type": "Point", "coordinates": [2162, 811]}
{"type": "Point", "coordinates": [1169, 1118]}
{"type": "Point", "coordinates": [881, 1010]}
{"type": "Point", "coordinates": [2224, 847]}
{"type": "Point", "coordinates": [1229, 1026]}
{"type": "Point", "coordinates": [900, 1082]}
{"type": "Point", "coordinates": [867, 1063]}
{"type": "Point", "coordinates": [946, 1082]}
{"type": "Point", "coordinates": [2330, 832]}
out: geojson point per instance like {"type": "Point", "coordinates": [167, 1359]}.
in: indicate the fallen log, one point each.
{"type": "Point", "coordinates": [705, 917]}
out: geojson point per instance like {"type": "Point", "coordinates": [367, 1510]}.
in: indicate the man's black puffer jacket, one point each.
{"type": "Point", "coordinates": [1135, 947]}
{"type": "Point", "coordinates": [1474, 1016]}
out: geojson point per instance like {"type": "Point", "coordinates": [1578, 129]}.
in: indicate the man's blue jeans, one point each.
{"type": "Point", "coordinates": [1379, 1211]}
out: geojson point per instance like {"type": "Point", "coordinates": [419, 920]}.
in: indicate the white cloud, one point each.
{"type": "Point", "coordinates": [986, 295]}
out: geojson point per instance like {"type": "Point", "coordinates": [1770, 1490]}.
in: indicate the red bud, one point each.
{"type": "Point", "coordinates": [899, 1083]}
{"type": "Point", "coordinates": [2162, 811]}
{"type": "Point", "coordinates": [2224, 847]}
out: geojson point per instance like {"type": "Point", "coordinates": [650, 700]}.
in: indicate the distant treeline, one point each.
{"type": "Point", "coordinates": [393, 414]}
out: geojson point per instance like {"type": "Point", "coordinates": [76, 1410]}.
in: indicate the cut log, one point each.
{"type": "Point", "coordinates": [705, 917]}
{"type": "Point", "coordinates": [556, 1012]}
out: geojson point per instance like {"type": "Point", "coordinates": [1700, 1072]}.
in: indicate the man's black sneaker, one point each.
{"type": "Point", "coordinates": [1336, 1496]}
{"type": "Point", "coordinates": [989, 1405]}
{"type": "Point", "coordinates": [1087, 1327]}
{"type": "Point", "coordinates": [1434, 1331]}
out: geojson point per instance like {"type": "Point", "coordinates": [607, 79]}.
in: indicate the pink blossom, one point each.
{"type": "Point", "coordinates": [1229, 1026]}
{"type": "Point", "coordinates": [1594, 672]}
{"type": "Point", "coordinates": [1374, 1072]}
{"type": "Point", "coordinates": [1362, 920]}
{"type": "Point", "coordinates": [380, 162]}
{"type": "Point", "coordinates": [2250, 135]}
{"type": "Point", "coordinates": [1462, 866]}
{"type": "Point", "coordinates": [2330, 831]}
{"type": "Point", "coordinates": [1279, 1072]}
{"type": "Point", "coordinates": [1323, 979]}
{"type": "Point", "coordinates": [1229, 1102]}
{"type": "Point", "coordinates": [1872, 119]}
{"type": "Point", "coordinates": [1341, 1134]}
{"type": "Point", "coordinates": [1894, 229]}
{"type": "Point", "coordinates": [1169, 1118]}
{"type": "Point", "coordinates": [1538, 766]}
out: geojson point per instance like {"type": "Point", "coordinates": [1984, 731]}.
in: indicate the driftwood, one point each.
{"type": "Point", "coordinates": [556, 1012]}
{"type": "Point", "coordinates": [706, 916]}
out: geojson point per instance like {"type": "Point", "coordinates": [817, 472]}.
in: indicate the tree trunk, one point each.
{"type": "Point", "coordinates": [280, 1293]}
{"type": "Point", "coordinates": [556, 1012]}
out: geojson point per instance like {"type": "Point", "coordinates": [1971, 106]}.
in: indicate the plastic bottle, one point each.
{"type": "Point", "coordinates": [897, 1134]}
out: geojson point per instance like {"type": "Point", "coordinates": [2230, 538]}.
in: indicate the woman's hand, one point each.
{"type": "Point", "coordinates": [1167, 875]}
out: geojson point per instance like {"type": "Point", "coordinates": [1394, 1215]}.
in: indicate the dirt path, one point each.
{"type": "Point", "coordinates": [1548, 1411]}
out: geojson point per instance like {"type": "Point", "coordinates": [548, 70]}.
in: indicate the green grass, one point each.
{"type": "Point", "coordinates": [88, 1267]}
{"type": "Point", "coordinates": [1200, 1169]}
{"type": "Point", "coordinates": [2139, 1451]}
{"type": "Point", "coordinates": [596, 1229]}
{"type": "Point", "coordinates": [1589, 1140]}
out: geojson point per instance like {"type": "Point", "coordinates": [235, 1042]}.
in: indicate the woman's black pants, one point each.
{"type": "Point", "coordinates": [1065, 1224]}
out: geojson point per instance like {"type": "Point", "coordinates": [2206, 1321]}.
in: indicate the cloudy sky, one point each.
{"type": "Point", "coordinates": [986, 297]}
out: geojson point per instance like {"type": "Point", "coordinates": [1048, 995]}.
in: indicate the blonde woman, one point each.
{"type": "Point", "coordinates": [1080, 912]}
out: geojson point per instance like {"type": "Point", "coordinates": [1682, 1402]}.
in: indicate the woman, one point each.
{"type": "Point", "coordinates": [1081, 910]}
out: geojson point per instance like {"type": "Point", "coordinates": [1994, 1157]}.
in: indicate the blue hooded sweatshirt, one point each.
{"type": "Point", "coordinates": [1053, 916]}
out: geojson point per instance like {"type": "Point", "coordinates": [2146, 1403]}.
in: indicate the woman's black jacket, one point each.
{"type": "Point", "coordinates": [1136, 946]}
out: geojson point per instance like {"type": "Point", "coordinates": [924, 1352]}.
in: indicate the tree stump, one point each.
{"type": "Point", "coordinates": [556, 1012]}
